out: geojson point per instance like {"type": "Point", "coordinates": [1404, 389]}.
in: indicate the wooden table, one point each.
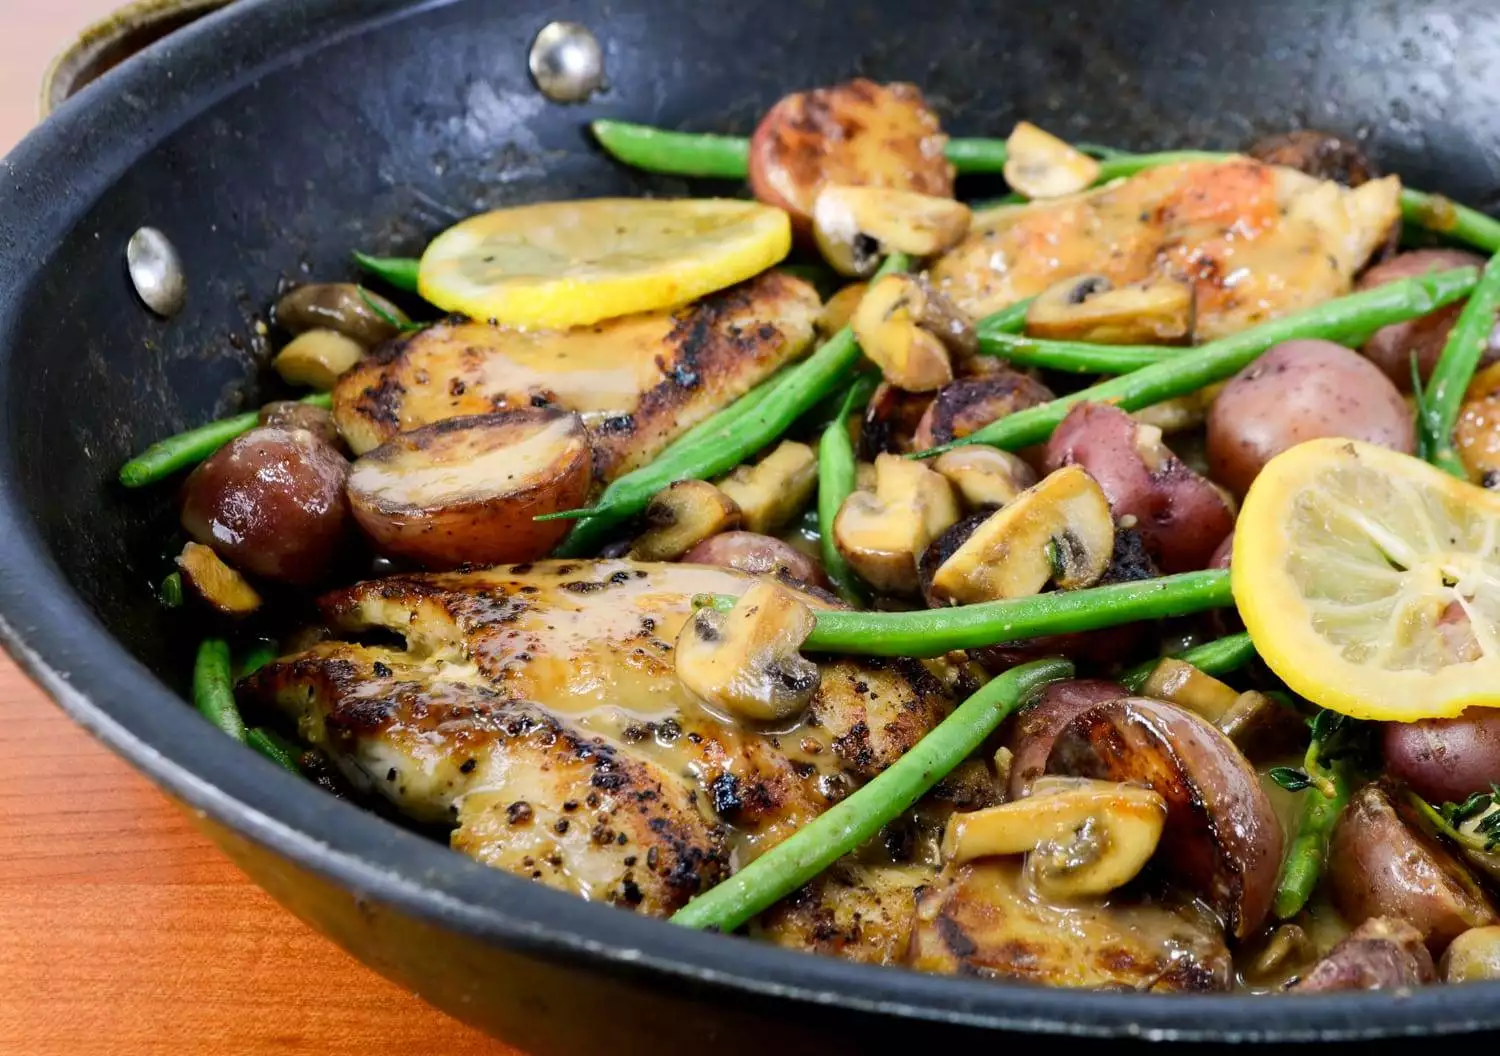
{"type": "Point", "coordinates": [123, 931]}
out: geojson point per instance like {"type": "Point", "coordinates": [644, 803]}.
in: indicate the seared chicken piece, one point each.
{"type": "Point", "coordinates": [587, 647]}
{"type": "Point", "coordinates": [983, 919]}
{"type": "Point", "coordinates": [638, 381]}
{"type": "Point", "coordinates": [1254, 241]}
{"type": "Point", "coordinates": [530, 793]}
{"type": "Point", "coordinates": [853, 910]}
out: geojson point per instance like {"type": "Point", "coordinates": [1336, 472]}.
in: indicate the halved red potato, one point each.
{"type": "Point", "coordinates": [467, 490]}
{"type": "Point", "coordinates": [859, 134]}
{"type": "Point", "coordinates": [1222, 835]}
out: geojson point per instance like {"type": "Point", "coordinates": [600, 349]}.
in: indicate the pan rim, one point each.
{"type": "Point", "coordinates": [61, 644]}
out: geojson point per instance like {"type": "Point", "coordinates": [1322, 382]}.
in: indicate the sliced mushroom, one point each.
{"type": "Point", "coordinates": [1082, 838]}
{"type": "Point", "coordinates": [855, 226]}
{"type": "Point", "coordinates": [317, 358]}
{"type": "Point", "coordinates": [883, 533]}
{"type": "Point", "coordinates": [1091, 308]}
{"type": "Point", "coordinates": [221, 587]}
{"type": "Point", "coordinates": [775, 489]}
{"type": "Point", "coordinates": [341, 306]}
{"type": "Point", "coordinates": [839, 309]}
{"type": "Point", "coordinates": [682, 515]}
{"type": "Point", "coordinates": [972, 403]}
{"type": "Point", "coordinates": [985, 477]}
{"type": "Point", "coordinates": [1039, 165]}
{"type": "Point", "coordinates": [1059, 530]}
{"type": "Point", "coordinates": [1182, 683]}
{"type": "Point", "coordinates": [745, 661]}
{"type": "Point", "coordinates": [1222, 836]}
{"type": "Point", "coordinates": [908, 330]}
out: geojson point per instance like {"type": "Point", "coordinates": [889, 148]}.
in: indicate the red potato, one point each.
{"type": "Point", "coordinates": [1296, 391]}
{"type": "Point", "coordinates": [1181, 516]}
{"type": "Point", "coordinates": [1222, 836]}
{"type": "Point", "coordinates": [1320, 154]}
{"type": "Point", "coordinates": [467, 490]}
{"type": "Point", "coordinates": [858, 134]}
{"type": "Point", "coordinates": [1391, 347]}
{"type": "Point", "coordinates": [973, 402]}
{"type": "Point", "coordinates": [1381, 863]}
{"type": "Point", "coordinates": [1445, 760]}
{"type": "Point", "coordinates": [1033, 732]}
{"type": "Point", "coordinates": [271, 503]}
{"type": "Point", "coordinates": [294, 414]}
{"type": "Point", "coordinates": [760, 555]}
{"type": "Point", "coordinates": [1381, 954]}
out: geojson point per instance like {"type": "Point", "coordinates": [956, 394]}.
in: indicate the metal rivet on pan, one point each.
{"type": "Point", "coordinates": [566, 62]}
{"type": "Point", "coordinates": [156, 271]}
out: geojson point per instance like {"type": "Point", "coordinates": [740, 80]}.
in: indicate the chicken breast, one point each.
{"type": "Point", "coordinates": [858, 911]}
{"type": "Point", "coordinates": [1255, 241]}
{"type": "Point", "coordinates": [638, 381]}
{"type": "Point", "coordinates": [582, 651]}
{"type": "Point", "coordinates": [983, 919]}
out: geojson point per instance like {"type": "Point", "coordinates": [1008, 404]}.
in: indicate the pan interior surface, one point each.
{"type": "Point", "coordinates": [271, 139]}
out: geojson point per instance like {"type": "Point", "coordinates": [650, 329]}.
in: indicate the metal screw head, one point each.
{"type": "Point", "coordinates": [156, 271]}
{"type": "Point", "coordinates": [566, 62]}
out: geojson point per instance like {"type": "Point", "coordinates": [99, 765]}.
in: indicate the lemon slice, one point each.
{"type": "Point", "coordinates": [565, 264]}
{"type": "Point", "coordinates": [1370, 581]}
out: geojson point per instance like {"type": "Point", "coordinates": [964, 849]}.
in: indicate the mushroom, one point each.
{"type": "Point", "coordinates": [985, 477]}
{"type": "Point", "coordinates": [1222, 835]}
{"type": "Point", "coordinates": [1039, 165]}
{"type": "Point", "coordinates": [908, 330]}
{"type": "Point", "coordinates": [1058, 530]}
{"type": "Point", "coordinates": [1091, 308]}
{"type": "Point", "coordinates": [774, 490]}
{"type": "Point", "coordinates": [1181, 683]}
{"type": "Point", "coordinates": [317, 358]}
{"type": "Point", "coordinates": [682, 515]}
{"type": "Point", "coordinates": [1081, 837]}
{"type": "Point", "coordinates": [883, 533]}
{"type": "Point", "coordinates": [745, 661]}
{"type": "Point", "coordinates": [855, 226]}
{"type": "Point", "coordinates": [344, 307]}
{"type": "Point", "coordinates": [220, 586]}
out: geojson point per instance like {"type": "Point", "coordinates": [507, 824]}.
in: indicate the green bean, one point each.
{"type": "Point", "coordinates": [1443, 397]}
{"type": "Point", "coordinates": [841, 829]}
{"type": "Point", "coordinates": [1075, 357]}
{"type": "Point", "coordinates": [1219, 657]}
{"type": "Point", "coordinates": [1438, 214]}
{"type": "Point", "coordinates": [799, 388]}
{"type": "Point", "coordinates": [1364, 311]}
{"type": "Point", "coordinates": [674, 153]}
{"type": "Point", "coordinates": [213, 688]}
{"type": "Point", "coordinates": [1304, 859]}
{"type": "Point", "coordinates": [166, 457]}
{"type": "Point", "coordinates": [1008, 320]}
{"type": "Point", "coordinates": [171, 591]}
{"type": "Point", "coordinates": [275, 747]}
{"type": "Point", "coordinates": [260, 653]}
{"type": "Point", "coordinates": [1130, 164]}
{"type": "Point", "coordinates": [399, 272]}
{"type": "Point", "coordinates": [933, 632]}
{"type": "Point", "coordinates": [837, 470]}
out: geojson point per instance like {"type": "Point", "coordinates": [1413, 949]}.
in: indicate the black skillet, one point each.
{"type": "Point", "coordinates": [274, 137]}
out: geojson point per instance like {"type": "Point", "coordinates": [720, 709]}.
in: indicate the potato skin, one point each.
{"type": "Point", "coordinates": [858, 133]}
{"type": "Point", "coordinates": [1296, 391]}
{"type": "Point", "coordinates": [1381, 954]}
{"type": "Point", "coordinates": [1031, 734]}
{"type": "Point", "coordinates": [271, 503]}
{"type": "Point", "coordinates": [1182, 518]}
{"type": "Point", "coordinates": [294, 414]}
{"type": "Point", "coordinates": [1222, 835]}
{"type": "Point", "coordinates": [760, 555]}
{"type": "Point", "coordinates": [490, 518]}
{"type": "Point", "coordinates": [1445, 760]}
{"type": "Point", "coordinates": [1382, 865]}
{"type": "Point", "coordinates": [1390, 348]}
